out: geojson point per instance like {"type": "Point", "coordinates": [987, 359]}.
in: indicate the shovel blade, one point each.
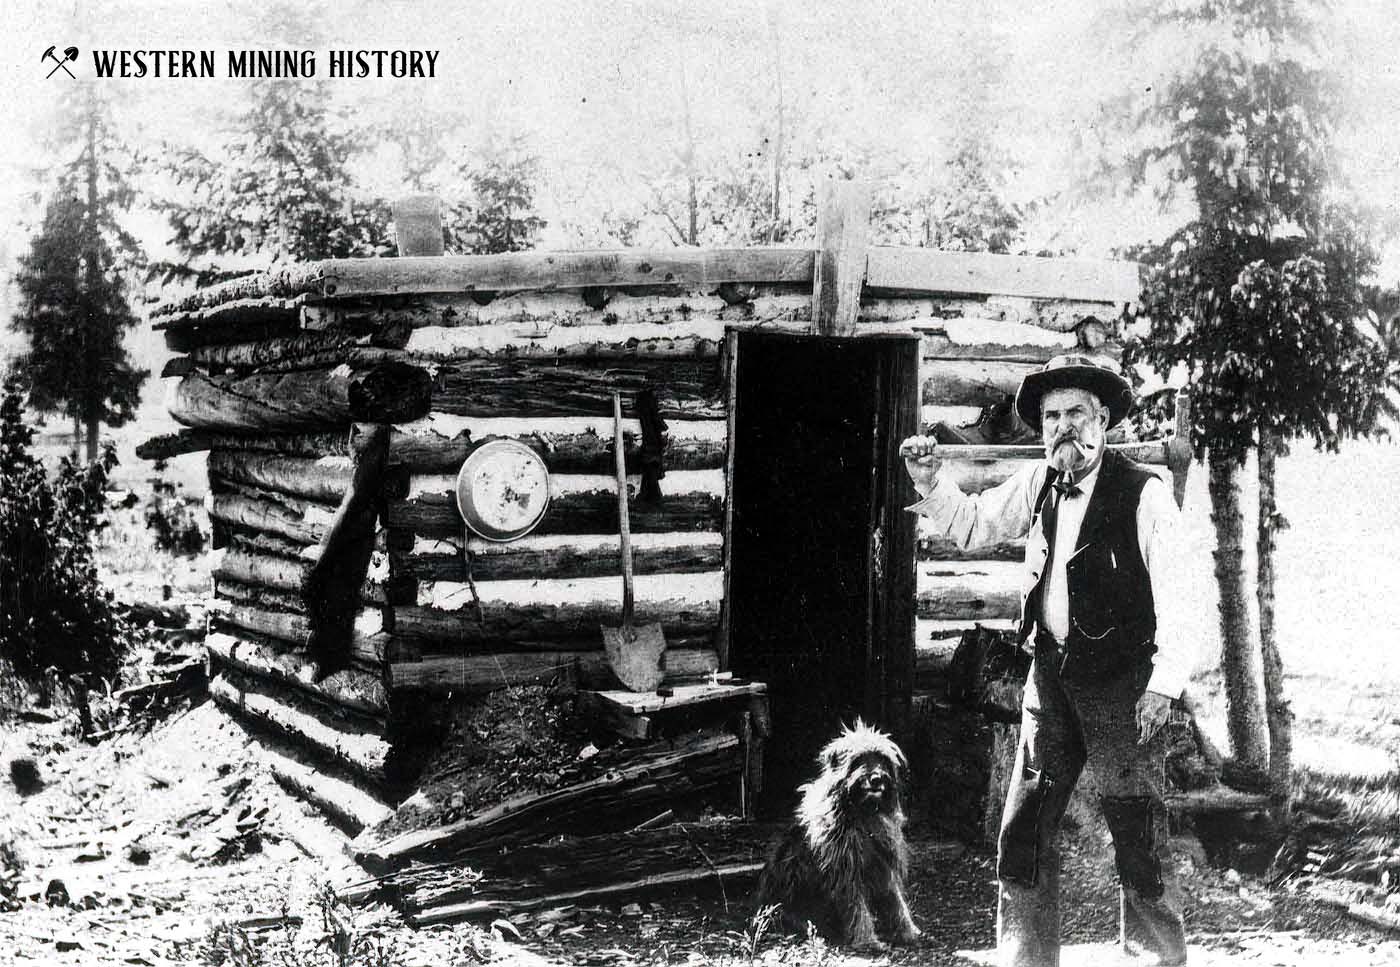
{"type": "Point", "coordinates": [637, 655]}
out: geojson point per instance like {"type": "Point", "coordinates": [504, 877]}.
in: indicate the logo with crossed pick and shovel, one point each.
{"type": "Point", "coordinates": [69, 54]}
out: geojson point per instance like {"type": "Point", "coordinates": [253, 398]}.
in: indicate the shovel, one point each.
{"type": "Point", "coordinates": [636, 653]}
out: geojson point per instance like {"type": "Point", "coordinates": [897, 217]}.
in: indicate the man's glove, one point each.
{"type": "Point", "coordinates": [1152, 712]}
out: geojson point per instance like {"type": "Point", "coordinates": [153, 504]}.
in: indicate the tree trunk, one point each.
{"type": "Point", "coordinates": [92, 441]}
{"type": "Point", "coordinates": [77, 435]}
{"type": "Point", "coordinates": [1276, 708]}
{"type": "Point", "coordinates": [1245, 717]}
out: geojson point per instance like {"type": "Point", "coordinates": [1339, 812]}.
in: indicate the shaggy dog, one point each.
{"type": "Point", "coordinates": [841, 865]}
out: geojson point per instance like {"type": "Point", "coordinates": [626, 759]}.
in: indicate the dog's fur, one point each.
{"type": "Point", "coordinates": [841, 865]}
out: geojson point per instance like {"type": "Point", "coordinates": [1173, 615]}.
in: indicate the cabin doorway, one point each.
{"type": "Point", "coordinates": [819, 547]}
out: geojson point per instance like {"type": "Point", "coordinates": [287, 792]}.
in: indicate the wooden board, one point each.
{"type": "Point", "coordinates": [838, 271]}
{"type": "Point", "coordinates": [302, 400]}
{"type": "Point", "coordinates": [344, 278]}
{"type": "Point", "coordinates": [474, 674]}
{"type": "Point", "coordinates": [929, 270]}
{"type": "Point", "coordinates": [690, 765]}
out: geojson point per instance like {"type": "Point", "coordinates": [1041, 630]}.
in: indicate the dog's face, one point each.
{"type": "Point", "coordinates": [864, 764]}
{"type": "Point", "coordinates": [869, 781]}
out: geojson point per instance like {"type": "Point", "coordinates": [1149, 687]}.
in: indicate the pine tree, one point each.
{"type": "Point", "coordinates": [281, 191]}
{"type": "Point", "coordinates": [1258, 294]}
{"type": "Point", "coordinates": [73, 305]}
{"type": "Point", "coordinates": [503, 180]}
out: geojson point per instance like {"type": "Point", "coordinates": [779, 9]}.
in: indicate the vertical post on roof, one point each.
{"type": "Point", "coordinates": [843, 233]}
{"type": "Point", "coordinates": [418, 225]}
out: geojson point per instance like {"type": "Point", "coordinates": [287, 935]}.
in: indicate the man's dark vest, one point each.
{"type": "Point", "coordinates": [1112, 619]}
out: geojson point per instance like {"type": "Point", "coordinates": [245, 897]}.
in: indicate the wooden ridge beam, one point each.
{"type": "Point", "coordinates": [930, 270]}
{"type": "Point", "coordinates": [347, 278]}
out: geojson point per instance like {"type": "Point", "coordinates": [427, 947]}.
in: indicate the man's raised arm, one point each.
{"type": "Point", "coordinates": [1001, 513]}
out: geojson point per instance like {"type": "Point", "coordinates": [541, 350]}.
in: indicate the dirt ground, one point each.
{"type": "Point", "coordinates": [172, 846]}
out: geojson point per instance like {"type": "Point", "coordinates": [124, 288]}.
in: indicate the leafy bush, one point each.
{"type": "Point", "coordinates": [168, 515]}
{"type": "Point", "coordinates": [54, 613]}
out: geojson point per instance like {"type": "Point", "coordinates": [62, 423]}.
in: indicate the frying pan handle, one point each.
{"type": "Point", "coordinates": [620, 459]}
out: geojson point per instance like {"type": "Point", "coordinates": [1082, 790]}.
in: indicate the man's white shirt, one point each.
{"type": "Point", "coordinates": [1004, 512]}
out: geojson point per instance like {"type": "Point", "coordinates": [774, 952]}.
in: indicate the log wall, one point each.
{"type": "Point", "coordinates": [303, 381]}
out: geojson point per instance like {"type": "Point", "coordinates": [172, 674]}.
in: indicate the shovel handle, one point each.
{"type": "Point", "coordinates": [619, 456]}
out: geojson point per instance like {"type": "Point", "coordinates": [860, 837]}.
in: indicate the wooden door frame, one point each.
{"type": "Point", "coordinates": [890, 601]}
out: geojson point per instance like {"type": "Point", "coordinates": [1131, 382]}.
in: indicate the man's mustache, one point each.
{"type": "Point", "coordinates": [1073, 438]}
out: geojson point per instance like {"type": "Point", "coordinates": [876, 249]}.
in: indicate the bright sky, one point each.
{"type": "Point", "coordinates": [597, 85]}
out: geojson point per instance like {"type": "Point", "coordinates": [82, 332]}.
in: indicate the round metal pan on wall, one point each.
{"type": "Point", "coordinates": [502, 490]}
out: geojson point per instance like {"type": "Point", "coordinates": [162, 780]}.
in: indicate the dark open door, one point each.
{"type": "Point", "coordinates": [820, 551]}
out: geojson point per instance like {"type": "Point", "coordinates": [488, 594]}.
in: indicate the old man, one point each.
{"type": "Point", "coordinates": [1100, 608]}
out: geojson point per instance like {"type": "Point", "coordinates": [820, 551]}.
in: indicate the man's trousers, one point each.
{"type": "Point", "coordinates": [1066, 729]}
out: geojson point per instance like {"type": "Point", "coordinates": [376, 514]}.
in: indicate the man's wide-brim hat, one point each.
{"type": "Point", "coordinates": [1074, 372]}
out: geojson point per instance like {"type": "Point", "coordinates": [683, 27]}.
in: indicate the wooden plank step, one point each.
{"type": "Point", "coordinates": [632, 714]}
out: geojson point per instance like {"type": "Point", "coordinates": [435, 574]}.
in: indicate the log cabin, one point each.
{"type": "Point", "coordinates": [765, 394]}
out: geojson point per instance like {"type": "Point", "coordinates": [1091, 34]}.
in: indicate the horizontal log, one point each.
{"type": "Point", "coordinates": [441, 442]}
{"type": "Point", "coordinates": [257, 571]}
{"type": "Point", "coordinates": [930, 270]}
{"type": "Point", "coordinates": [935, 640]}
{"type": "Point", "coordinates": [685, 605]}
{"type": "Point", "coordinates": [692, 339]}
{"type": "Point", "coordinates": [255, 596]}
{"type": "Point", "coordinates": [685, 389]}
{"type": "Point", "coordinates": [263, 542]}
{"type": "Point", "coordinates": [474, 674]}
{"type": "Point", "coordinates": [560, 556]}
{"type": "Point", "coordinates": [694, 763]}
{"type": "Point", "coordinates": [902, 269]}
{"type": "Point", "coordinates": [298, 721]}
{"type": "Point", "coordinates": [169, 445]}
{"type": "Point", "coordinates": [348, 804]}
{"type": "Point", "coordinates": [389, 392]}
{"type": "Point", "coordinates": [345, 278]}
{"type": "Point", "coordinates": [300, 351]}
{"type": "Point", "coordinates": [931, 547]}
{"type": "Point", "coordinates": [692, 500]}
{"type": "Point", "coordinates": [323, 478]}
{"type": "Point", "coordinates": [239, 302]}
{"type": "Point", "coordinates": [531, 314]}
{"type": "Point", "coordinates": [978, 590]}
{"type": "Point", "coordinates": [302, 521]}
{"type": "Point", "coordinates": [971, 382]}
{"type": "Point", "coordinates": [358, 690]}
{"type": "Point", "coordinates": [368, 640]}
